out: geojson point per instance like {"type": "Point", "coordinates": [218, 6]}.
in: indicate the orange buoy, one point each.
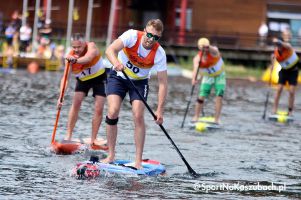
{"type": "Point", "coordinates": [33, 67]}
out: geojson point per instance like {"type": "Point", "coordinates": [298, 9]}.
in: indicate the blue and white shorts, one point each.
{"type": "Point", "coordinates": [119, 86]}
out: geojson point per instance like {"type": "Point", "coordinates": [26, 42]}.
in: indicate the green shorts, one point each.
{"type": "Point", "coordinates": [219, 83]}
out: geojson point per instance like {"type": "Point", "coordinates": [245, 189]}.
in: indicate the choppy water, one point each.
{"type": "Point", "coordinates": [246, 152]}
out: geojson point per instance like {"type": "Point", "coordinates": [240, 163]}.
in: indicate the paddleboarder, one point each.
{"type": "Point", "coordinates": [135, 53]}
{"type": "Point", "coordinates": [211, 66]}
{"type": "Point", "coordinates": [89, 70]}
{"type": "Point", "coordinates": [287, 58]}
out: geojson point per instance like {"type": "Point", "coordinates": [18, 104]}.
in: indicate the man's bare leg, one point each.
{"type": "Point", "coordinates": [218, 108]}
{"type": "Point", "coordinates": [138, 113]}
{"type": "Point", "coordinates": [291, 99]}
{"type": "Point", "coordinates": [73, 113]}
{"type": "Point", "coordinates": [114, 104]}
{"type": "Point", "coordinates": [198, 107]}
{"type": "Point", "coordinates": [277, 98]}
{"type": "Point", "coordinates": [97, 118]}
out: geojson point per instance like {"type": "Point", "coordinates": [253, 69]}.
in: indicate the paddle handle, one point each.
{"type": "Point", "coordinates": [191, 171]}
{"type": "Point", "coordinates": [62, 93]}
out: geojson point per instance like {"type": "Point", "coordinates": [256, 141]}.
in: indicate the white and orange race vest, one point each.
{"type": "Point", "coordinates": [137, 67]}
{"type": "Point", "coordinates": [88, 71]}
{"type": "Point", "coordinates": [212, 66]}
{"type": "Point", "coordinates": [287, 58]}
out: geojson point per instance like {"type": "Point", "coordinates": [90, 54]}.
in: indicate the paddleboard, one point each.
{"type": "Point", "coordinates": [78, 145]}
{"type": "Point", "coordinates": [281, 116]}
{"type": "Point", "coordinates": [93, 168]}
{"type": "Point", "coordinates": [204, 124]}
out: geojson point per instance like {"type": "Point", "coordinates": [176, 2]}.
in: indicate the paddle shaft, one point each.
{"type": "Point", "coordinates": [268, 93]}
{"type": "Point", "coordinates": [191, 171]}
{"type": "Point", "coordinates": [191, 92]}
{"type": "Point", "coordinates": [61, 100]}
{"type": "Point", "coordinates": [188, 103]}
{"type": "Point", "coordinates": [266, 105]}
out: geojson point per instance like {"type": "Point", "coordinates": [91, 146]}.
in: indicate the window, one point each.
{"type": "Point", "coordinates": [188, 18]}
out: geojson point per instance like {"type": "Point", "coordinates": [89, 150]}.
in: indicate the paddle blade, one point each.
{"type": "Point", "coordinates": [99, 147]}
{"type": "Point", "coordinates": [194, 174]}
{"type": "Point", "coordinates": [65, 148]}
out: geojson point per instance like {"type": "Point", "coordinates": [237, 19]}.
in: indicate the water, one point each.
{"type": "Point", "coordinates": [245, 152]}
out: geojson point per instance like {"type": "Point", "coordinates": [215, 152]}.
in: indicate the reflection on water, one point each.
{"type": "Point", "coordinates": [246, 151]}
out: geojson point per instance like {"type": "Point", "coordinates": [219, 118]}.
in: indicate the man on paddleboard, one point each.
{"type": "Point", "coordinates": [89, 70]}
{"type": "Point", "coordinates": [136, 53]}
{"type": "Point", "coordinates": [211, 66]}
{"type": "Point", "coordinates": [288, 60]}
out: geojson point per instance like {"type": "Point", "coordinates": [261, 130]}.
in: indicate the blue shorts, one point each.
{"type": "Point", "coordinates": [119, 86]}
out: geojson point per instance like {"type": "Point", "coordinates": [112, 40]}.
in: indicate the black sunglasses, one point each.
{"type": "Point", "coordinates": [150, 35]}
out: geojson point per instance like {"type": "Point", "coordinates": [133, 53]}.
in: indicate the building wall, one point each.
{"type": "Point", "coordinates": [8, 7]}
{"type": "Point", "coordinates": [228, 19]}
{"type": "Point", "coordinates": [227, 22]}
{"type": "Point", "coordinates": [100, 16]}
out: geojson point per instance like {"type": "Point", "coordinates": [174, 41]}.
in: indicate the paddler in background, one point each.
{"type": "Point", "coordinates": [89, 70]}
{"type": "Point", "coordinates": [287, 58]}
{"type": "Point", "coordinates": [136, 53]}
{"type": "Point", "coordinates": [211, 66]}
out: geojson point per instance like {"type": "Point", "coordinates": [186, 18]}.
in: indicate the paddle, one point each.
{"type": "Point", "coordinates": [191, 171]}
{"type": "Point", "coordinates": [191, 92]}
{"type": "Point", "coordinates": [268, 93]}
{"type": "Point", "coordinates": [61, 100]}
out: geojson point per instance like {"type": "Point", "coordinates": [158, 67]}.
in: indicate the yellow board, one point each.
{"type": "Point", "coordinates": [5, 65]}
{"type": "Point", "coordinates": [52, 65]}
{"type": "Point", "coordinates": [206, 119]}
{"type": "Point", "coordinates": [282, 112]}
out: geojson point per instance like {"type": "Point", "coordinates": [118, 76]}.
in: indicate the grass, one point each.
{"type": "Point", "coordinates": [240, 71]}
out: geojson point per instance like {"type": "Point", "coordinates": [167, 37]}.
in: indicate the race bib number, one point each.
{"type": "Point", "coordinates": [132, 67]}
{"type": "Point", "coordinates": [86, 72]}
{"type": "Point", "coordinates": [210, 70]}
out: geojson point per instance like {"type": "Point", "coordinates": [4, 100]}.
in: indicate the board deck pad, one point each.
{"type": "Point", "coordinates": [94, 168]}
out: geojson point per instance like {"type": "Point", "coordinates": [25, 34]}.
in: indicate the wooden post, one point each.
{"type": "Point", "coordinates": [182, 22]}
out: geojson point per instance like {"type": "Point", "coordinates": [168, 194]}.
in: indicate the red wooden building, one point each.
{"type": "Point", "coordinates": [228, 23]}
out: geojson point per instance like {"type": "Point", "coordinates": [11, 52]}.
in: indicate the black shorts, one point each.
{"type": "Point", "coordinates": [9, 41]}
{"type": "Point", "coordinates": [24, 44]}
{"type": "Point", "coordinates": [289, 75]}
{"type": "Point", "coordinates": [97, 84]}
{"type": "Point", "coordinates": [119, 86]}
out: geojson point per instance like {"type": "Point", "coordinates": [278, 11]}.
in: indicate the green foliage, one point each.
{"type": "Point", "coordinates": [186, 63]}
{"type": "Point", "coordinates": [240, 71]}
